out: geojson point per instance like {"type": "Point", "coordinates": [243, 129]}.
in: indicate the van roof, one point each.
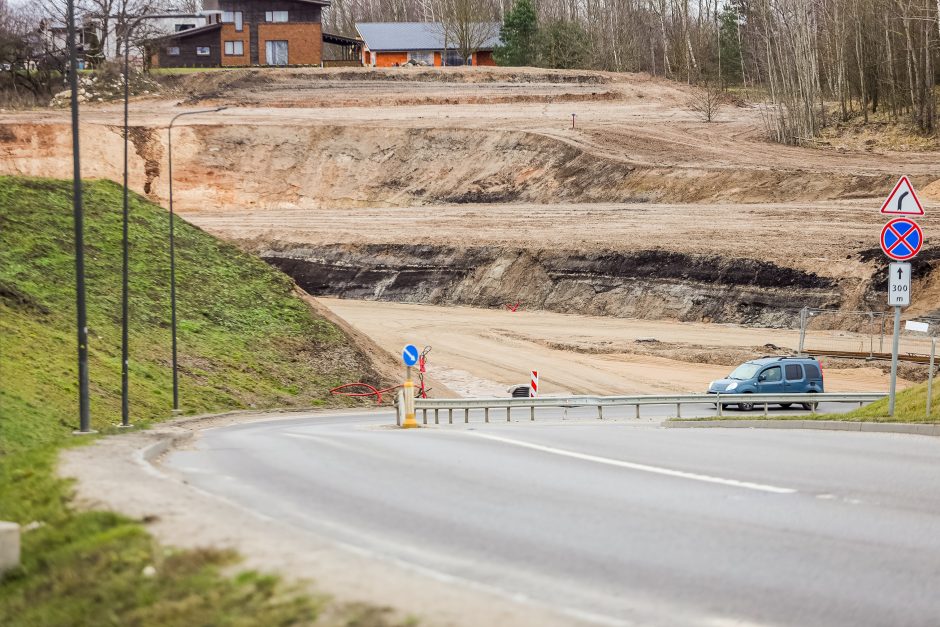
{"type": "Point", "coordinates": [769, 359]}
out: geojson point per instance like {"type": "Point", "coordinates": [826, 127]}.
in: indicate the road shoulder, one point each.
{"type": "Point", "coordinates": [122, 473]}
{"type": "Point", "coordinates": [825, 425]}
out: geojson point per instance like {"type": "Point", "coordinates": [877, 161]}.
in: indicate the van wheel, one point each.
{"type": "Point", "coordinates": [785, 405]}
{"type": "Point", "coordinates": [810, 406]}
{"type": "Point", "coordinates": [746, 406]}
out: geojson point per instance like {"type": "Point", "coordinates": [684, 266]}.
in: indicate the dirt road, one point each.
{"type": "Point", "coordinates": [481, 352]}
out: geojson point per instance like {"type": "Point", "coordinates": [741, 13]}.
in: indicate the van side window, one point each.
{"type": "Point", "coordinates": [794, 372]}
{"type": "Point", "coordinates": [812, 371]}
{"type": "Point", "coordinates": [772, 375]}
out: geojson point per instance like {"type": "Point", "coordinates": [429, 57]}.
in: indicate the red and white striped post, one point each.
{"type": "Point", "coordinates": [534, 384]}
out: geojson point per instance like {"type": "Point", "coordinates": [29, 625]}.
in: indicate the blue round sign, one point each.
{"type": "Point", "coordinates": [409, 354]}
{"type": "Point", "coordinates": [901, 239]}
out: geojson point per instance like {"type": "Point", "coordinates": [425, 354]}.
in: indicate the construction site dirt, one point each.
{"type": "Point", "coordinates": [575, 192]}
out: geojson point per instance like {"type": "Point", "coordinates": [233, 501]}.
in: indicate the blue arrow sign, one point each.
{"type": "Point", "coordinates": [409, 355]}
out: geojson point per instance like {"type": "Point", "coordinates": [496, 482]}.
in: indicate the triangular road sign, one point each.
{"type": "Point", "coordinates": [903, 201]}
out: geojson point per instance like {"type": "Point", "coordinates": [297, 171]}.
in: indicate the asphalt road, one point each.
{"type": "Point", "coordinates": [613, 522]}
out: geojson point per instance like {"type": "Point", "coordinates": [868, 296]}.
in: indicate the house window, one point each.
{"type": "Point", "coordinates": [422, 57]}
{"type": "Point", "coordinates": [234, 48]}
{"type": "Point", "coordinates": [182, 27]}
{"type": "Point", "coordinates": [173, 51]}
{"type": "Point", "coordinates": [203, 51]}
{"type": "Point", "coordinates": [233, 17]}
{"type": "Point", "coordinates": [453, 57]}
{"type": "Point", "coordinates": [275, 52]}
{"type": "Point", "coordinates": [275, 16]}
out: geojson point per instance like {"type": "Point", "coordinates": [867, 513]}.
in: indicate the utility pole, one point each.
{"type": "Point", "coordinates": [84, 413]}
{"type": "Point", "coordinates": [169, 143]}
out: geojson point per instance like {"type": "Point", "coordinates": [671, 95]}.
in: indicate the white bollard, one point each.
{"type": "Point", "coordinates": [9, 546]}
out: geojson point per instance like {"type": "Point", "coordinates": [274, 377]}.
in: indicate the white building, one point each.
{"type": "Point", "coordinates": [152, 26]}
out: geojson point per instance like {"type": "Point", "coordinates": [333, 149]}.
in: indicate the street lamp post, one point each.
{"type": "Point", "coordinates": [125, 288]}
{"type": "Point", "coordinates": [125, 323]}
{"type": "Point", "coordinates": [169, 144]}
{"type": "Point", "coordinates": [84, 413]}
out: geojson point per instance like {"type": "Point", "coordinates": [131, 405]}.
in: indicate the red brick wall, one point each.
{"type": "Point", "coordinates": [230, 34]}
{"type": "Point", "coordinates": [304, 42]}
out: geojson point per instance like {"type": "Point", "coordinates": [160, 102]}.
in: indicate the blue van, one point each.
{"type": "Point", "coordinates": [772, 375]}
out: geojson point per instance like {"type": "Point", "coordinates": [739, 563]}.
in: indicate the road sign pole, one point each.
{"type": "Point", "coordinates": [894, 360]}
{"type": "Point", "coordinates": [933, 352]}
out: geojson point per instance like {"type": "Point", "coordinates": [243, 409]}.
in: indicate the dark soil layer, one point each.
{"type": "Point", "coordinates": [643, 284]}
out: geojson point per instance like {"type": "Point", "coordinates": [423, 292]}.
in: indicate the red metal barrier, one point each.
{"type": "Point", "coordinates": [377, 393]}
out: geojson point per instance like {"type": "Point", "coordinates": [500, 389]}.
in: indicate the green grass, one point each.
{"type": "Point", "coordinates": [910, 406]}
{"type": "Point", "coordinates": [245, 341]}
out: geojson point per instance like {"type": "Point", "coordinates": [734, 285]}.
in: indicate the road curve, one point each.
{"type": "Point", "coordinates": [615, 523]}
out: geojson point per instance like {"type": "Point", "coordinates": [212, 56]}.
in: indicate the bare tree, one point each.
{"type": "Point", "coordinates": [706, 99]}
{"type": "Point", "coordinates": [467, 24]}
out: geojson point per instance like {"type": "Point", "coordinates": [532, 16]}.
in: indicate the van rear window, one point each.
{"type": "Point", "coordinates": [812, 371]}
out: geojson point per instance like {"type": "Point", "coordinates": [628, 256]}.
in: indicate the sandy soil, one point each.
{"type": "Point", "coordinates": [722, 229]}
{"type": "Point", "coordinates": [628, 118]}
{"type": "Point", "coordinates": [481, 352]}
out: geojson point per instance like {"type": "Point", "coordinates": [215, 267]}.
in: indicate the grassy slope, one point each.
{"type": "Point", "coordinates": [910, 406]}
{"type": "Point", "coordinates": [245, 341]}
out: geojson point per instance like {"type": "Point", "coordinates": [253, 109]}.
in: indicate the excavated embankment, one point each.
{"type": "Point", "coordinates": [262, 166]}
{"type": "Point", "coordinates": [643, 284]}
{"type": "Point", "coordinates": [255, 167]}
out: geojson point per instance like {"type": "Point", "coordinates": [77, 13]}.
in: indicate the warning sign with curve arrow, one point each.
{"type": "Point", "coordinates": [903, 201]}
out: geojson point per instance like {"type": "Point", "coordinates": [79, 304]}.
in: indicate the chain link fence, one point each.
{"type": "Point", "coordinates": [864, 334]}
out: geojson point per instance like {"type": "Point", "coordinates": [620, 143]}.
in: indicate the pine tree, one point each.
{"type": "Point", "coordinates": [519, 34]}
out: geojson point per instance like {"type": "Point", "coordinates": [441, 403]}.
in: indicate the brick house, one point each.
{"type": "Point", "coordinates": [388, 44]}
{"type": "Point", "coordinates": [249, 32]}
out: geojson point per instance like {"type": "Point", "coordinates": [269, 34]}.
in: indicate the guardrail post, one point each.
{"type": "Point", "coordinates": [765, 409]}
{"type": "Point", "coordinates": [437, 416]}
{"type": "Point", "coordinates": [637, 411]}
{"type": "Point", "coordinates": [486, 414]}
{"type": "Point", "coordinates": [466, 415]}
{"type": "Point", "coordinates": [600, 412]}
{"type": "Point", "coordinates": [719, 405]}
{"type": "Point", "coordinates": [450, 416]}
{"type": "Point", "coordinates": [508, 413]}
{"type": "Point", "coordinates": [399, 407]}
{"type": "Point", "coordinates": [678, 410]}
{"type": "Point", "coordinates": [425, 415]}
{"type": "Point", "coordinates": [532, 413]}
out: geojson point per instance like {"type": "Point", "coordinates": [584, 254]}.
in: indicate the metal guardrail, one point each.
{"type": "Point", "coordinates": [600, 402]}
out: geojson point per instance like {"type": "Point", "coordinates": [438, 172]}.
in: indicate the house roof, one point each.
{"type": "Point", "coordinates": [400, 36]}
{"type": "Point", "coordinates": [189, 32]}
{"type": "Point", "coordinates": [331, 38]}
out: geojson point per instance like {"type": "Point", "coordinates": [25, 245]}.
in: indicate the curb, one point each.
{"type": "Point", "coordinates": [822, 425]}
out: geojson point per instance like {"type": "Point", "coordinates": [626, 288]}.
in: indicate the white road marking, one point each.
{"type": "Point", "coordinates": [681, 474]}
